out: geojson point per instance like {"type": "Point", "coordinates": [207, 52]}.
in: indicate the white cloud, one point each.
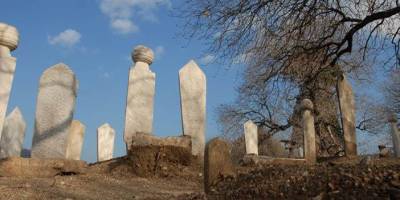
{"type": "Point", "coordinates": [207, 59]}
{"type": "Point", "coordinates": [67, 38]}
{"type": "Point", "coordinates": [159, 51]}
{"type": "Point", "coordinates": [121, 12]}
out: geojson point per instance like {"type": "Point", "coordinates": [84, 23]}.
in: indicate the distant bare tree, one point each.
{"type": "Point", "coordinates": [392, 92]}
{"type": "Point", "coordinates": [294, 50]}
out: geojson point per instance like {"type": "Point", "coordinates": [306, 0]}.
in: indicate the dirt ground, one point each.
{"type": "Point", "coordinates": [156, 172]}
{"type": "Point", "coordinates": [359, 178]}
{"type": "Point", "coordinates": [150, 172]}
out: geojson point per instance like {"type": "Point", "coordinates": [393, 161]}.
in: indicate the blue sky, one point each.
{"type": "Point", "coordinates": [95, 39]}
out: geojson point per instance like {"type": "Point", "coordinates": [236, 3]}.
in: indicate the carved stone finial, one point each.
{"type": "Point", "coordinates": [9, 36]}
{"type": "Point", "coordinates": [392, 118]}
{"type": "Point", "coordinates": [307, 104]}
{"type": "Point", "coordinates": [143, 54]}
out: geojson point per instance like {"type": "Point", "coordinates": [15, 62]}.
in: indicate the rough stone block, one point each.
{"type": "Point", "coordinates": [250, 133]}
{"type": "Point", "coordinates": [143, 139]}
{"type": "Point", "coordinates": [30, 167]}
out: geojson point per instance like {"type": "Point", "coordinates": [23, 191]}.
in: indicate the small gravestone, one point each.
{"type": "Point", "coordinates": [310, 152]}
{"type": "Point", "coordinates": [140, 98]}
{"type": "Point", "coordinates": [192, 85]}
{"type": "Point", "coordinates": [217, 162]}
{"type": "Point", "coordinates": [54, 112]}
{"type": "Point", "coordinates": [395, 135]}
{"type": "Point", "coordinates": [348, 115]}
{"type": "Point", "coordinates": [105, 142]}
{"type": "Point", "coordinates": [250, 134]}
{"type": "Point", "coordinates": [13, 135]}
{"type": "Point", "coordinates": [75, 140]}
{"type": "Point", "coordinates": [9, 39]}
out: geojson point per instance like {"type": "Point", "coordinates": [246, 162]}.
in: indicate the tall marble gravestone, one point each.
{"type": "Point", "coordinates": [348, 115]}
{"type": "Point", "coordinates": [9, 39]}
{"type": "Point", "coordinates": [395, 135]}
{"type": "Point", "coordinates": [54, 112]}
{"type": "Point", "coordinates": [140, 98]}
{"type": "Point", "coordinates": [250, 135]}
{"type": "Point", "coordinates": [105, 142]}
{"type": "Point", "coordinates": [75, 140]}
{"type": "Point", "coordinates": [13, 135]}
{"type": "Point", "coordinates": [310, 151]}
{"type": "Point", "coordinates": [192, 85]}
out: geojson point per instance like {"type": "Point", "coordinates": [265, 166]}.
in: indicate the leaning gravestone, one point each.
{"type": "Point", "coordinates": [9, 38]}
{"type": "Point", "coordinates": [395, 135]}
{"type": "Point", "coordinates": [250, 134]}
{"type": "Point", "coordinates": [310, 152]}
{"type": "Point", "coordinates": [217, 162]}
{"type": "Point", "coordinates": [13, 135]}
{"type": "Point", "coordinates": [192, 85]}
{"type": "Point", "coordinates": [348, 115]}
{"type": "Point", "coordinates": [54, 112]}
{"type": "Point", "coordinates": [105, 142]}
{"type": "Point", "coordinates": [140, 98]}
{"type": "Point", "coordinates": [75, 140]}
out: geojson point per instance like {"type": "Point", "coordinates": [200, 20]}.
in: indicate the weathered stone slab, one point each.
{"type": "Point", "coordinates": [348, 115]}
{"type": "Point", "coordinates": [9, 39]}
{"type": "Point", "coordinates": [395, 135]}
{"type": "Point", "coordinates": [105, 142]}
{"type": "Point", "coordinates": [310, 151]}
{"type": "Point", "coordinates": [140, 98]}
{"type": "Point", "coordinates": [41, 168]}
{"type": "Point", "coordinates": [54, 112]}
{"type": "Point", "coordinates": [75, 140]}
{"type": "Point", "coordinates": [250, 134]}
{"type": "Point", "coordinates": [192, 85]}
{"type": "Point", "coordinates": [217, 162]}
{"type": "Point", "coordinates": [13, 135]}
{"type": "Point", "coordinates": [254, 160]}
{"type": "Point", "coordinates": [143, 139]}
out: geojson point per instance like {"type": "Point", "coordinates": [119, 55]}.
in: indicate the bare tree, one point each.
{"type": "Point", "coordinates": [392, 92]}
{"type": "Point", "coordinates": [294, 50]}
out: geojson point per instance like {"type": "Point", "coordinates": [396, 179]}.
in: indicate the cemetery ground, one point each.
{"type": "Point", "coordinates": [167, 172]}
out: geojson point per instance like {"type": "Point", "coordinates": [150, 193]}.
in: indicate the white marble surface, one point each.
{"type": "Point", "coordinates": [140, 101]}
{"type": "Point", "coordinates": [310, 151]}
{"type": "Point", "coordinates": [54, 112]}
{"type": "Point", "coordinates": [105, 142]}
{"type": "Point", "coordinates": [7, 69]}
{"type": "Point", "coordinates": [13, 135]}
{"type": "Point", "coordinates": [75, 140]}
{"type": "Point", "coordinates": [251, 137]}
{"type": "Point", "coordinates": [192, 85]}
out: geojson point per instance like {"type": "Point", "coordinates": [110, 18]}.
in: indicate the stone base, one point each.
{"type": "Point", "coordinates": [252, 159]}
{"type": "Point", "coordinates": [142, 139]}
{"type": "Point", "coordinates": [30, 167]}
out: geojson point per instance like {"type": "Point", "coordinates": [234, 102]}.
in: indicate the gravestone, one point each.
{"type": "Point", "coordinates": [217, 162]}
{"type": "Point", "coordinates": [105, 142]}
{"type": "Point", "coordinates": [250, 134]}
{"type": "Point", "coordinates": [140, 98]}
{"type": "Point", "coordinates": [54, 112]}
{"type": "Point", "coordinates": [12, 138]}
{"type": "Point", "coordinates": [310, 153]}
{"type": "Point", "coordinates": [9, 38]}
{"type": "Point", "coordinates": [75, 140]}
{"type": "Point", "coordinates": [348, 115]}
{"type": "Point", "coordinates": [395, 135]}
{"type": "Point", "coordinates": [192, 85]}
